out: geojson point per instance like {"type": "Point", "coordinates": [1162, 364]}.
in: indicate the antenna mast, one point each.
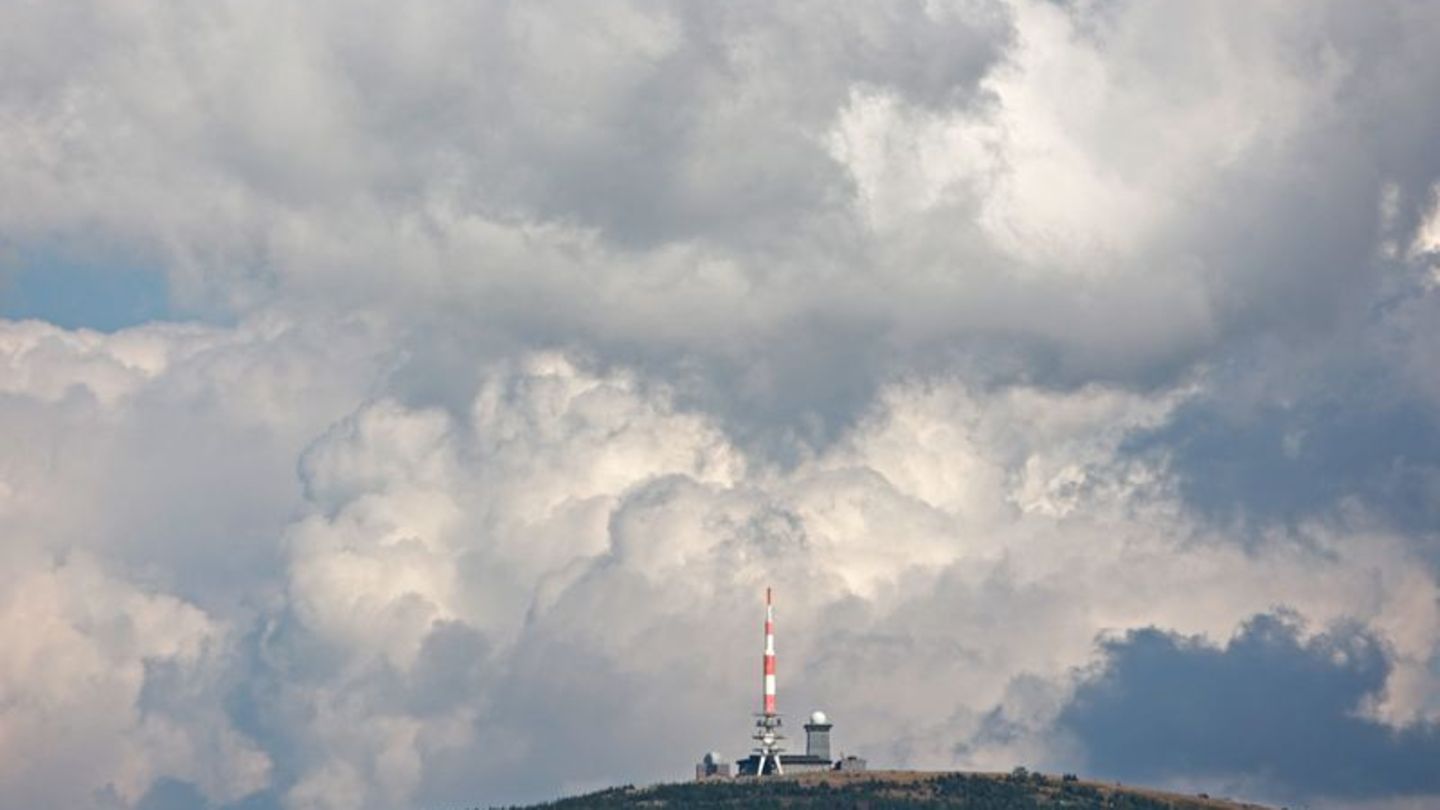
{"type": "Point", "coordinates": [767, 723]}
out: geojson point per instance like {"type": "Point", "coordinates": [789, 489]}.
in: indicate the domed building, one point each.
{"type": "Point", "coordinates": [769, 757]}
{"type": "Point", "coordinates": [712, 766]}
{"type": "Point", "coordinates": [816, 757]}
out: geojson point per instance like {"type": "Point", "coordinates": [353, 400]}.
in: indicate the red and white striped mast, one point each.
{"type": "Point", "coordinates": [768, 721]}
{"type": "Point", "coordinates": [769, 654]}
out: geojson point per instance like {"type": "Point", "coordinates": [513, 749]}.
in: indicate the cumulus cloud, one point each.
{"type": "Point", "coordinates": [505, 598]}
{"type": "Point", "coordinates": [1267, 707]}
{"type": "Point", "coordinates": [1030, 349]}
{"type": "Point", "coordinates": [108, 688]}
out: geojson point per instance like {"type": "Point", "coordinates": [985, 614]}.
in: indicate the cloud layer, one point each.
{"type": "Point", "coordinates": [1266, 707]}
{"type": "Point", "coordinates": [1031, 350]}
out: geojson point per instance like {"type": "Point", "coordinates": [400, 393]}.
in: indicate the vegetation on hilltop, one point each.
{"type": "Point", "coordinates": [891, 791]}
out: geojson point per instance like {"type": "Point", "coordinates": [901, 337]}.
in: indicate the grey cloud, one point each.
{"type": "Point", "coordinates": [689, 149]}
{"type": "Point", "coordinates": [1271, 710]}
{"type": "Point", "coordinates": [196, 510]}
{"type": "Point", "coordinates": [1338, 425]}
{"type": "Point", "coordinates": [1285, 465]}
{"type": "Point", "coordinates": [505, 595]}
{"type": "Point", "coordinates": [542, 336]}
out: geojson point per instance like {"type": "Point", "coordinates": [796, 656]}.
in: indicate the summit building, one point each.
{"type": "Point", "coordinates": [768, 757]}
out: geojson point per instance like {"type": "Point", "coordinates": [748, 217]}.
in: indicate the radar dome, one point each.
{"type": "Point", "coordinates": [818, 718]}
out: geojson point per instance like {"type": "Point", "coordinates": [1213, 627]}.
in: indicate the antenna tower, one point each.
{"type": "Point", "coordinates": [767, 723]}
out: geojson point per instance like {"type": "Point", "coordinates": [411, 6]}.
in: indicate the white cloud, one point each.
{"type": "Point", "coordinates": [925, 583]}
{"type": "Point", "coordinates": [953, 555]}
{"type": "Point", "coordinates": [77, 728]}
{"type": "Point", "coordinates": [541, 337]}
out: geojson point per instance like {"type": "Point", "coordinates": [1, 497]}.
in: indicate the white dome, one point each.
{"type": "Point", "coordinates": [818, 718]}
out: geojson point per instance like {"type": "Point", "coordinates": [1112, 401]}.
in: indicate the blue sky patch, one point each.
{"type": "Point", "coordinates": [77, 290]}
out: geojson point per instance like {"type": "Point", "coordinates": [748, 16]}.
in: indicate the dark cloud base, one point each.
{"type": "Point", "coordinates": [1270, 708]}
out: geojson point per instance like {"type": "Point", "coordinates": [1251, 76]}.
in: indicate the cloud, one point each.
{"type": "Point", "coordinates": [696, 185]}
{"type": "Point", "coordinates": [516, 347]}
{"type": "Point", "coordinates": [944, 564]}
{"type": "Point", "coordinates": [109, 688]}
{"type": "Point", "coordinates": [1269, 711]}
{"type": "Point", "coordinates": [944, 621]}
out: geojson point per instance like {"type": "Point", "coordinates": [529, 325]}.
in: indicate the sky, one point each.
{"type": "Point", "coordinates": [406, 405]}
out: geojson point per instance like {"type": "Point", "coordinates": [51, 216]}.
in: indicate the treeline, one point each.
{"type": "Point", "coordinates": [1018, 791]}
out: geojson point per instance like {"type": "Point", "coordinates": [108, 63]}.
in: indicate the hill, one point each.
{"type": "Point", "coordinates": [895, 790]}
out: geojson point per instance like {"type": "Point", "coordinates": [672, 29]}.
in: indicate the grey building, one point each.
{"type": "Point", "coordinates": [815, 758]}
{"type": "Point", "coordinates": [817, 736]}
{"type": "Point", "coordinates": [712, 766]}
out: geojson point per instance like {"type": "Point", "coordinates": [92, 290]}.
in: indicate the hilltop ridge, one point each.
{"type": "Point", "coordinates": [897, 790]}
